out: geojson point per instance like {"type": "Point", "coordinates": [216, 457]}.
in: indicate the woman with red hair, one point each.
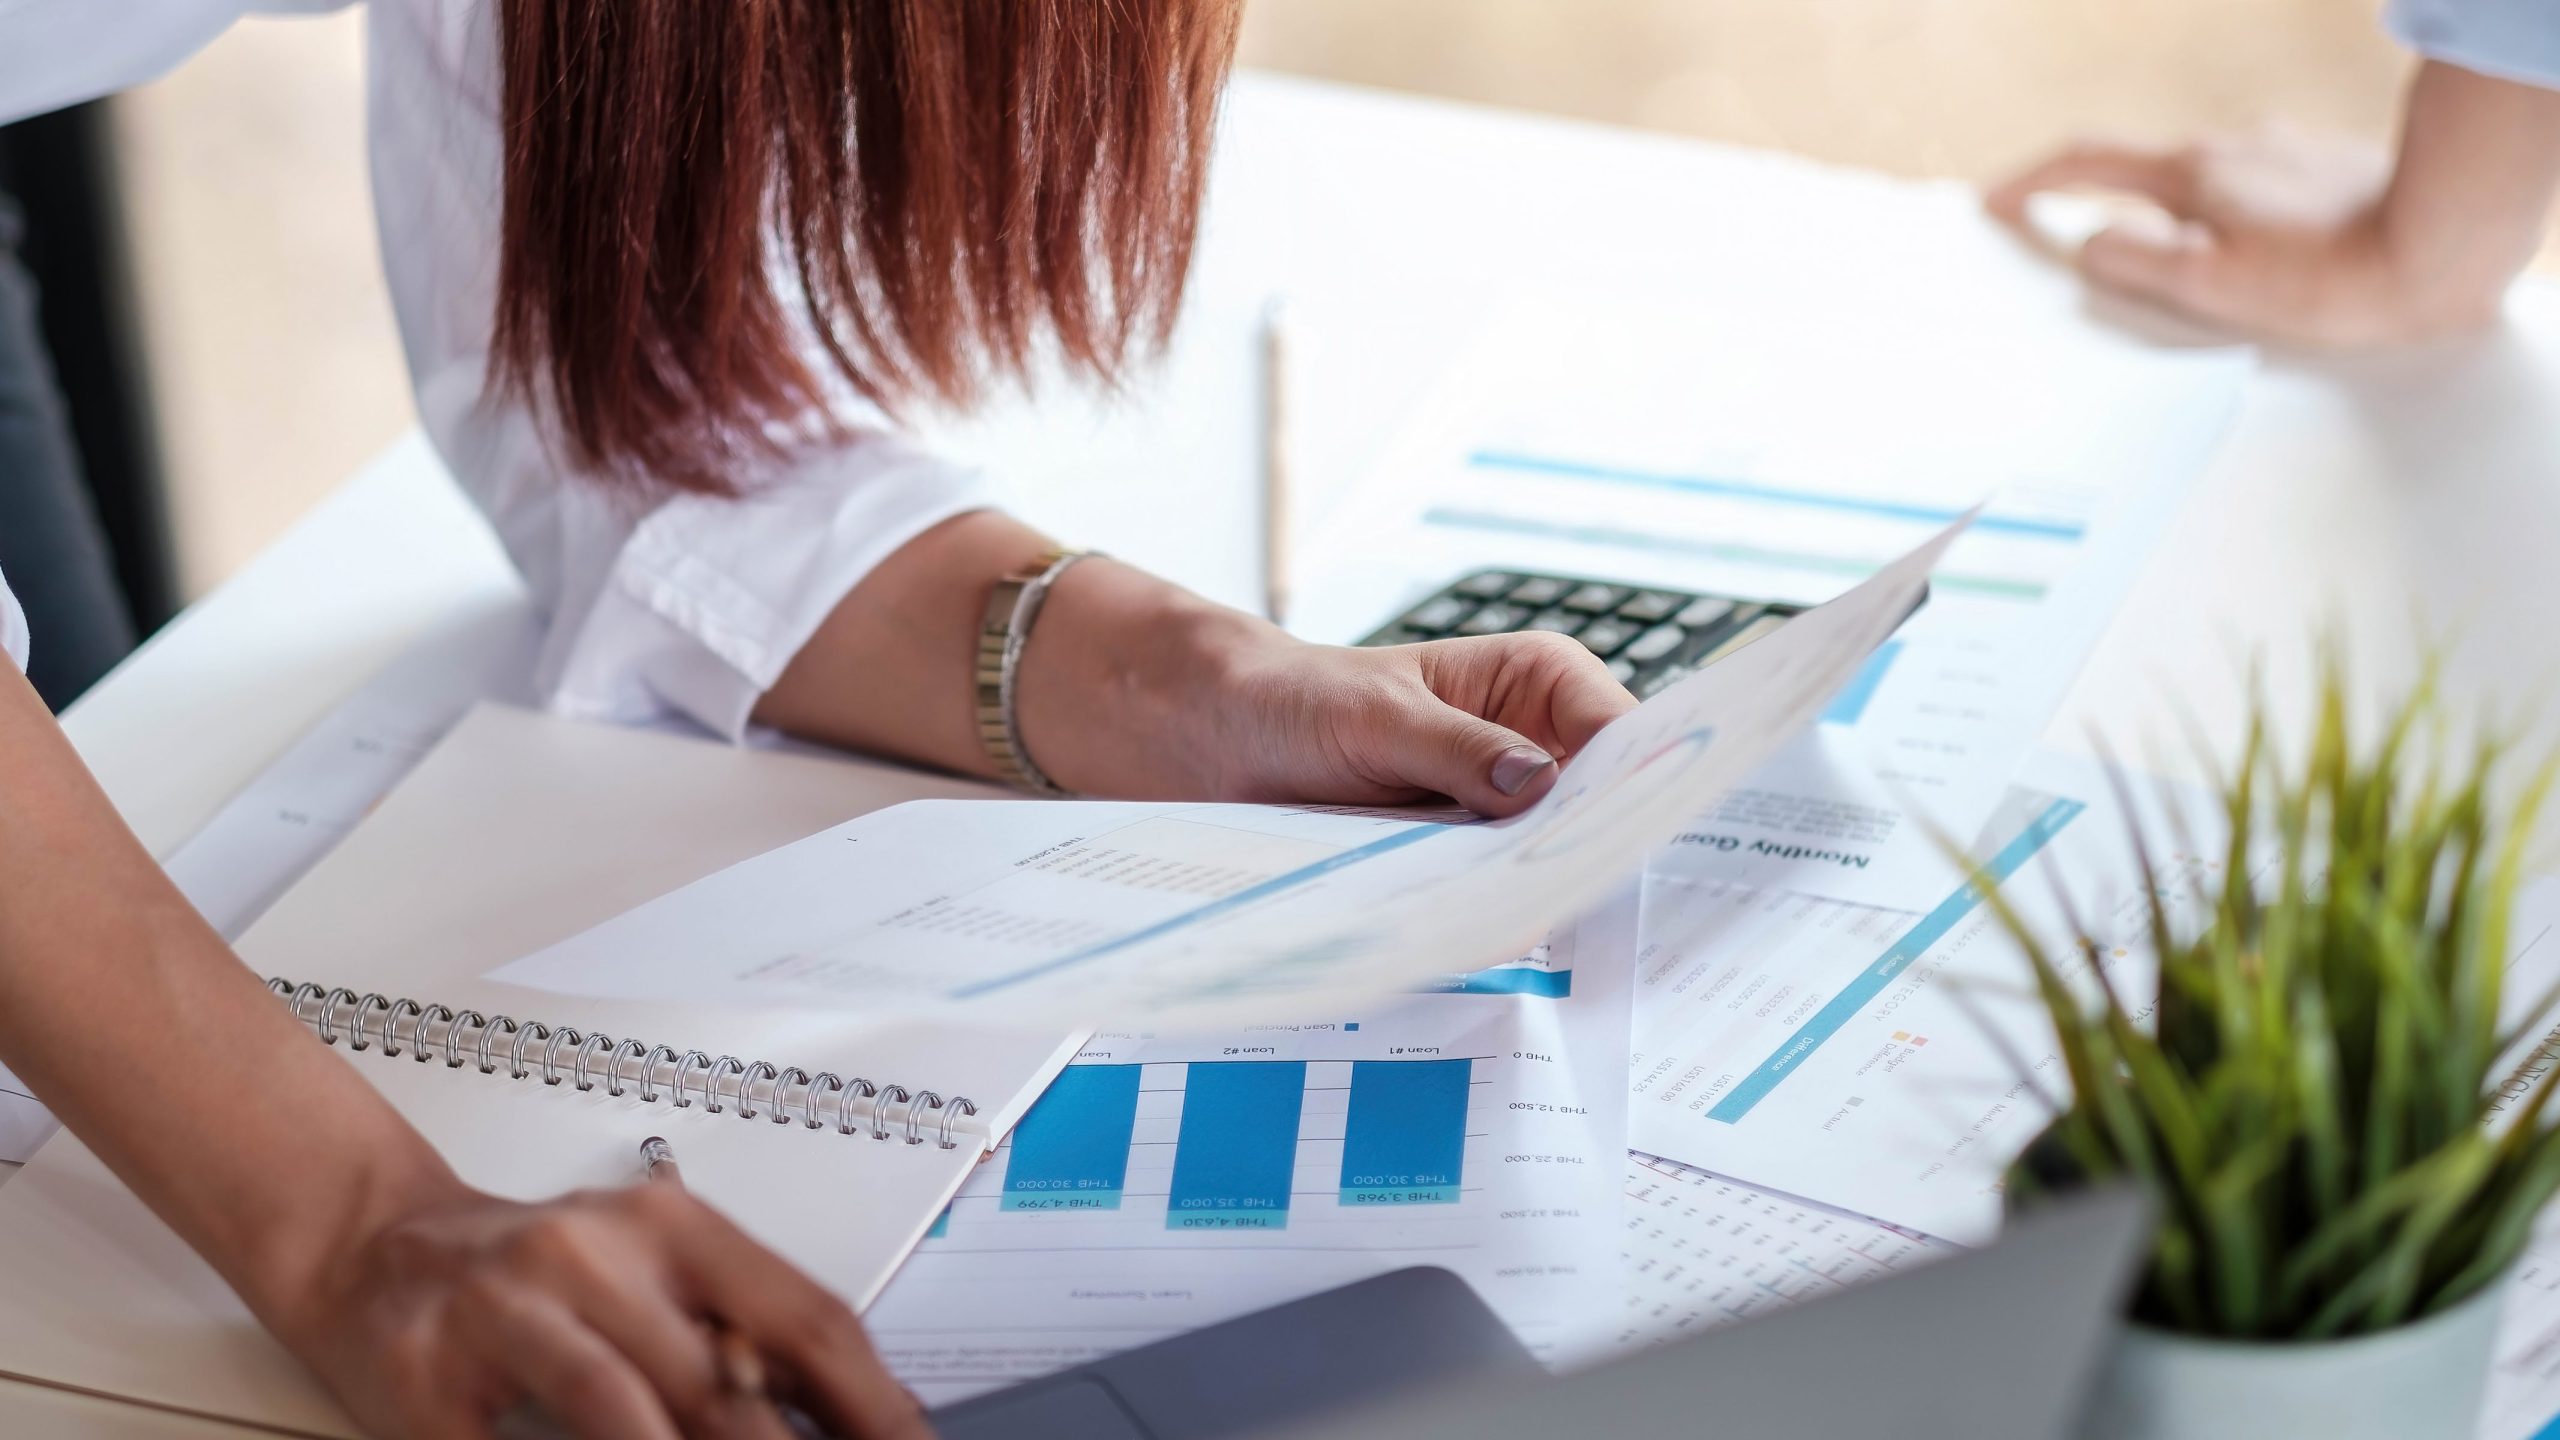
{"type": "Point", "coordinates": [666, 273]}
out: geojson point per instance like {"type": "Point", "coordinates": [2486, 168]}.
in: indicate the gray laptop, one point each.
{"type": "Point", "coordinates": [1998, 1344]}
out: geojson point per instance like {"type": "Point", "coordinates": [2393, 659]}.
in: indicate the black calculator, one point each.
{"type": "Point", "coordinates": [1650, 637]}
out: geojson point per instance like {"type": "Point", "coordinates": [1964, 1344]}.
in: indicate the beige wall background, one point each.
{"type": "Point", "coordinates": [278, 369]}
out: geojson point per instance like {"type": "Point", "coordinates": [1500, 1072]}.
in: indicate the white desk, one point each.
{"type": "Point", "coordinates": [2368, 491]}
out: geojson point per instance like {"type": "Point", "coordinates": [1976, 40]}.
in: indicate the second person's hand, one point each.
{"type": "Point", "coordinates": [2275, 234]}
{"type": "Point", "coordinates": [2325, 242]}
{"type": "Point", "coordinates": [594, 1310]}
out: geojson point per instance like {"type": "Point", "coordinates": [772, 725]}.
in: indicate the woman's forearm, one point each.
{"type": "Point", "coordinates": [2478, 168]}
{"type": "Point", "coordinates": [1113, 691]}
{"type": "Point", "coordinates": [1136, 688]}
{"type": "Point", "coordinates": [426, 1307]}
{"type": "Point", "coordinates": [131, 1019]}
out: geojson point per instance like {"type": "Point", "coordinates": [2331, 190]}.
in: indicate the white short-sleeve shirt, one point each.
{"type": "Point", "coordinates": [2510, 39]}
{"type": "Point", "coordinates": [13, 627]}
{"type": "Point", "coordinates": [687, 606]}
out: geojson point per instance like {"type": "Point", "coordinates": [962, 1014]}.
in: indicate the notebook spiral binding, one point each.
{"type": "Point", "coordinates": [467, 1037]}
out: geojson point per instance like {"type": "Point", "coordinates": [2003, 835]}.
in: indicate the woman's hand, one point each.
{"type": "Point", "coordinates": [1198, 702]}
{"type": "Point", "coordinates": [428, 1308]}
{"type": "Point", "coordinates": [594, 1309]}
{"type": "Point", "coordinates": [1485, 721]}
{"type": "Point", "coordinates": [2320, 242]}
{"type": "Point", "coordinates": [1131, 688]}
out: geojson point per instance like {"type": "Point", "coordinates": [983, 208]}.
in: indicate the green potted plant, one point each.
{"type": "Point", "coordinates": [2316, 1101]}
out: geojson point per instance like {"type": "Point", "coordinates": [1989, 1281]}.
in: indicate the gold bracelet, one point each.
{"type": "Point", "coordinates": [1011, 608]}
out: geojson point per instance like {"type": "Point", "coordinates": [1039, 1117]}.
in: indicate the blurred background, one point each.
{"type": "Point", "coordinates": [259, 341]}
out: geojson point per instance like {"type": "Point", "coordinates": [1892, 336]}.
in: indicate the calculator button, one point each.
{"type": "Point", "coordinates": [1708, 639]}
{"type": "Point", "coordinates": [1562, 622]}
{"type": "Point", "coordinates": [1621, 671]}
{"type": "Point", "coordinates": [1705, 610]}
{"type": "Point", "coordinates": [1596, 599]}
{"type": "Point", "coordinates": [1494, 619]}
{"type": "Point", "coordinates": [1539, 590]}
{"type": "Point", "coordinates": [1605, 636]}
{"type": "Point", "coordinates": [1757, 629]}
{"type": "Point", "coordinates": [1649, 606]}
{"type": "Point", "coordinates": [1655, 643]}
{"type": "Point", "coordinates": [1657, 681]}
{"type": "Point", "coordinates": [1490, 585]}
{"type": "Point", "coordinates": [1439, 615]}
{"type": "Point", "coordinates": [1396, 635]}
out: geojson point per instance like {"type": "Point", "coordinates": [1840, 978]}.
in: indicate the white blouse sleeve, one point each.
{"type": "Point", "coordinates": [2515, 40]}
{"type": "Point", "coordinates": [13, 628]}
{"type": "Point", "coordinates": [60, 52]}
{"type": "Point", "coordinates": [691, 606]}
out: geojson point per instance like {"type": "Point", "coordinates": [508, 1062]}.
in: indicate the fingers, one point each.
{"type": "Point", "coordinates": [1549, 688]}
{"type": "Point", "coordinates": [1436, 747]}
{"type": "Point", "coordinates": [1498, 715]}
{"type": "Point", "coordinates": [790, 1318]}
{"type": "Point", "coordinates": [1582, 698]}
{"type": "Point", "coordinates": [570, 1372]}
{"type": "Point", "coordinates": [2166, 177]}
{"type": "Point", "coordinates": [633, 1310]}
{"type": "Point", "coordinates": [2178, 266]}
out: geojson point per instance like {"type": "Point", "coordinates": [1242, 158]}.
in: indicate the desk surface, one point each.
{"type": "Point", "coordinates": [2369, 491]}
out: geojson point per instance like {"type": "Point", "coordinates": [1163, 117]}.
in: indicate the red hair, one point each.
{"type": "Point", "coordinates": [943, 181]}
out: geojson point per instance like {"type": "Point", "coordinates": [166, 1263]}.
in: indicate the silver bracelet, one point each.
{"type": "Point", "coordinates": [1011, 608]}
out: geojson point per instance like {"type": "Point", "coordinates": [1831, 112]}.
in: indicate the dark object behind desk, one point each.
{"type": "Point", "coordinates": [2003, 1343]}
{"type": "Point", "coordinates": [1344, 1347]}
{"type": "Point", "coordinates": [1999, 1344]}
{"type": "Point", "coordinates": [83, 528]}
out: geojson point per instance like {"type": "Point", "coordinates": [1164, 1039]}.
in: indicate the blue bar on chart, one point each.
{"type": "Point", "coordinates": [1405, 1140]}
{"type": "Point", "coordinates": [1737, 488]}
{"type": "Point", "coordinates": [1238, 1146]}
{"type": "Point", "coordinates": [1071, 1151]}
{"type": "Point", "coordinates": [1503, 980]}
{"type": "Point", "coordinates": [1861, 992]}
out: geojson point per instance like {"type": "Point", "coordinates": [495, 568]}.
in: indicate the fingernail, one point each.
{"type": "Point", "coordinates": [1517, 766]}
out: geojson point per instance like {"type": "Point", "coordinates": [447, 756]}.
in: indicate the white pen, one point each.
{"type": "Point", "coordinates": [1275, 461]}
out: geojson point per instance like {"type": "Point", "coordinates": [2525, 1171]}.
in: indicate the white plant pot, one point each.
{"type": "Point", "coordinates": [2422, 1380]}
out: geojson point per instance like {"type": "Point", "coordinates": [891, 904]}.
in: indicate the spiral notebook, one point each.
{"type": "Point", "coordinates": [834, 1143]}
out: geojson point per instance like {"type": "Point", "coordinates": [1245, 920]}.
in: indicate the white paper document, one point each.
{"type": "Point", "coordinates": [1699, 443]}
{"type": "Point", "coordinates": [1167, 1182]}
{"type": "Point", "coordinates": [1109, 913]}
{"type": "Point", "coordinates": [24, 1122]}
{"type": "Point", "coordinates": [1894, 1063]}
{"type": "Point", "coordinates": [1890, 1062]}
{"type": "Point", "coordinates": [2524, 1373]}
{"type": "Point", "coordinates": [2524, 1370]}
{"type": "Point", "coordinates": [1701, 1250]}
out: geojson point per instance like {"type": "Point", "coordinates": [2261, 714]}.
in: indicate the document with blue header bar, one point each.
{"type": "Point", "coordinates": [1698, 443]}
{"type": "Point", "coordinates": [1893, 1063]}
{"type": "Point", "coordinates": [1889, 1062]}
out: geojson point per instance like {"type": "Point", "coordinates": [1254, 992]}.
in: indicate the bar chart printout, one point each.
{"type": "Point", "coordinates": [1405, 1142]}
{"type": "Point", "coordinates": [1237, 1148]}
{"type": "Point", "coordinates": [1071, 1151]}
{"type": "Point", "coordinates": [1479, 1131]}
